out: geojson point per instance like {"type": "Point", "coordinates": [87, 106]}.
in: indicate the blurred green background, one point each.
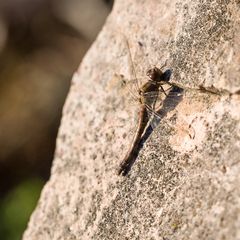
{"type": "Point", "coordinates": [42, 43]}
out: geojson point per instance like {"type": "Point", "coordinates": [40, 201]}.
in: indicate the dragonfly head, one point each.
{"type": "Point", "coordinates": [155, 74]}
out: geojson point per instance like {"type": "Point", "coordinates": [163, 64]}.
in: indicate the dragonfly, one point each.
{"type": "Point", "coordinates": [147, 97]}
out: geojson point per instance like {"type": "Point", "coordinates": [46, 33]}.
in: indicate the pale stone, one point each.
{"type": "Point", "coordinates": [185, 181]}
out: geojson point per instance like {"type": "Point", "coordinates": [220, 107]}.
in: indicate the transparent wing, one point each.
{"type": "Point", "coordinates": [163, 100]}
{"type": "Point", "coordinates": [130, 86]}
{"type": "Point", "coordinates": [162, 103]}
{"type": "Point", "coordinates": [135, 83]}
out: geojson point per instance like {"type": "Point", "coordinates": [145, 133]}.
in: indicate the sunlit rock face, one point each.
{"type": "Point", "coordinates": [184, 183]}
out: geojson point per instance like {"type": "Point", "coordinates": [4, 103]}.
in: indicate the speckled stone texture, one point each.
{"type": "Point", "coordinates": [185, 183]}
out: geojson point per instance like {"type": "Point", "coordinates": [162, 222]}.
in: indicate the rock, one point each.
{"type": "Point", "coordinates": [185, 181]}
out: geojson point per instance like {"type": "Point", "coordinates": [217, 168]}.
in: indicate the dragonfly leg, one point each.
{"type": "Point", "coordinates": [163, 90]}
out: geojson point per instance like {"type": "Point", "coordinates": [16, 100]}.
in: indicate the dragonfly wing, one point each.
{"type": "Point", "coordinates": [171, 94]}
{"type": "Point", "coordinates": [154, 117]}
{"type": "Point", "coordinates": [162, 104]}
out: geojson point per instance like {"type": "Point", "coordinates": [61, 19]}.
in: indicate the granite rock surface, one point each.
{"type": "Point", "coordinates": [185, 181]}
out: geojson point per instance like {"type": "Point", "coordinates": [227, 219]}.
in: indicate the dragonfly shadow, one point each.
{"type": "Point", "coordinates": [173, 98]}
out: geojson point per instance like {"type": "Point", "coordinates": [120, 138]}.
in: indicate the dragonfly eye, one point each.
{"type": "Point", "coordinates": [151, 73]}
{"type": "Point", "coordinates": [154, 74]}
